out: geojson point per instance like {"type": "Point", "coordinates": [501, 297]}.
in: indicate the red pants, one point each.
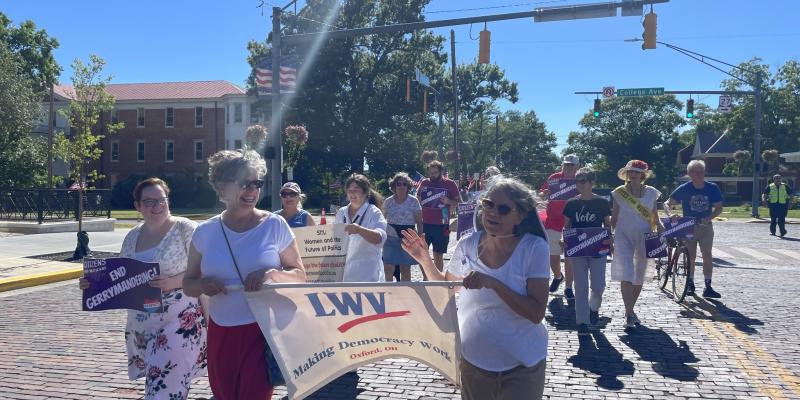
{"type": "Point", "coordinates": [237, 368]}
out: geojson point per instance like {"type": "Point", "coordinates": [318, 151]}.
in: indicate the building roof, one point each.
{"type": "Point", "coordinates": [706, 142]}
{"type": "Point", "coordinates": [163, 90]}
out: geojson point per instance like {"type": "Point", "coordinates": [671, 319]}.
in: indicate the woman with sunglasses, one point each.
{"type": "Point", "coordinates": [402, 212]}
{"type": "Point", "coordinates": [231, 253]}
{"type": "Point", "coordinates": [505, 270]}
{"type": "Point", "coordinates": [292, 201]}
{"type": "Point", "coordinates": [168, 349]}
{"type": "Point", "coordinates": [367, 229]}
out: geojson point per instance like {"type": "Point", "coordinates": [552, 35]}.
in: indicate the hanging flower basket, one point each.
{"type": "Point", "coordinates": [295, 138]}
{"type": "Point", "coordinates": [255, 137]}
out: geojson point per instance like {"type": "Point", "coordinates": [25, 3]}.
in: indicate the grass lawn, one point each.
{"type": "Point", "coordinates": [191, 213]}
{"type": "Point", "coordinates": [745, 212]}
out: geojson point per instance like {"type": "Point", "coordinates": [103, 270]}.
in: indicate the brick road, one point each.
{"type": "Point", "coordinates": [744, 346]}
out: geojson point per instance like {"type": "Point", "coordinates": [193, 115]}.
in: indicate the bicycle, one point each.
{"type": "Point", "coordinates": [677, 266]}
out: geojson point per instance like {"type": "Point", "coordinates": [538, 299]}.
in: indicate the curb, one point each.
{"type": "Point", "coordinates": [19, 282]}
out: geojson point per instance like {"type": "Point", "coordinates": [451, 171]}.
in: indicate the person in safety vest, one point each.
{"type": "Point", "coordinates": [778, 197]}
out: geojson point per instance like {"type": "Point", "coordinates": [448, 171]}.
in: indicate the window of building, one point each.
{"type": "Point", "coordinates": [253, 116]}
{"type": "Point", "coordinates": [237, 144]}
{"type": "Point", "coordinates": [170, 120]}
{"type": "Point", "coordinates": [140, 117]}
{"type": "Point", "coordinates": [140, 151]}
{"type": "Point", "coordinates": [169, 151]}
{"type": "Point", "coordinates": [198, 117]}
{"type": "Point", "coordinates": [237, 112]}
{"type": "Point", "coordinates": [198, 151]}
{"type": "Point", "coordinates": [114, 151]}
{"type": "Point", "coordinates": [114, 116]}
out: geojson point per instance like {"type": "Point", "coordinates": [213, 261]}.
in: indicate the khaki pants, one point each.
{"type": "Point", "coordinates": [704, 236]}
{"type": "Point", "coordinates": [517, 384]}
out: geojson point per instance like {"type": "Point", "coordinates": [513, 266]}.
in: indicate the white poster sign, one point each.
{"type": "Point", "coordinates": [323, 249]}
{"type": "Point", "coordinates": [319, 332]}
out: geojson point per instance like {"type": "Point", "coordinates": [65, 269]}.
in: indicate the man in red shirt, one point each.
{"type": "Point", "coordinates": [436, 212]}
{"type": "Point", "coordinates": [554, 224]}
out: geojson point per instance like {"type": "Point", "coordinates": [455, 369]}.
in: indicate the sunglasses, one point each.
{"type": "Point", "coordinates": [245, 184]}
{"type": "Point", "coordinates": [288, 194]}
{"type": "Point", "coordinates": [502, 209]}
{"type": "Point", "coordinates": [155, 202]}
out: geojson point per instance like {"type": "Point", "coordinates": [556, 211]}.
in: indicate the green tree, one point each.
{"type": "Point", "coordinates": [35, 47]}
{"type": "Point", "coordinates": [82, 146]}
{"type": "Point", "coordinates": [22, 156]}
{"type": "Point", "coordinates": [642, 128]}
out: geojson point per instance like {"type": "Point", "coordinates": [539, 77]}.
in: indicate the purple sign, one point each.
{"type": "Point", "coordinates": [655, 245]}
{"type": "Point", "coordinates": [586, 242]}
{"type": "Point", "coordinates": [562, 189]}
{"type": "Point", "coordinates": [684, 228]}
{"type": "Point", "coordinates": [431, 197]}
{"type": "Point", "coordinates": [466, 218]}
{"type": "Point", "coordinates": [120, 283]}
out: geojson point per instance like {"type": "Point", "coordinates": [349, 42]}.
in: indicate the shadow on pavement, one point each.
{"type": "Point", "coordinates": [562, 314]}
{"type": "Point", "coordinates": [716, 310]}
{"type": "Point", "coordinates": [598, 356]}
{"type": "Point", "coordinates": [669, 358]}
{"type": "Point", "coordinates": [344, 387]}
{"type": "Point", "coordinates": [790, 239]}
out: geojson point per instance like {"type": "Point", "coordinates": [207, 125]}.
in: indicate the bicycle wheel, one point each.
{"type": "Point", "coordinates": [662, 272]}
{"type": "Point", "coordinates": [680, 272]}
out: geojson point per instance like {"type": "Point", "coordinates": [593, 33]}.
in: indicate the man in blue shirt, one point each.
{"type": "Point", "coordinates": [703, 201]}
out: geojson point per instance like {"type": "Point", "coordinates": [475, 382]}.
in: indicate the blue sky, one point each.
{"type": "Point", "coordinates": [182, 40]}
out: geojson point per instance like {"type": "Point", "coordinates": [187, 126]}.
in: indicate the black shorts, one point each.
{"type": "Point", "coordinates": [438, 236]}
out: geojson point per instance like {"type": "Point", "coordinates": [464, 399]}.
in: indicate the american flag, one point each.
{"type": "Point", "coordinates": [76, 186]}
{"type": "Point", "coordinates": [288, 75]}
{"type": "Point", "coordinates": [335, 184]}
{"type": "Point", "coordinates": [417, 178]}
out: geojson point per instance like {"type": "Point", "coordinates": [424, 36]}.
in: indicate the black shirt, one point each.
{"type": "Point", "coordinates": [587, 213]}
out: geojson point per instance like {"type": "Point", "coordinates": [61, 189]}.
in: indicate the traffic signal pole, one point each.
{"type": "Point", "coordinates": [542, 14]}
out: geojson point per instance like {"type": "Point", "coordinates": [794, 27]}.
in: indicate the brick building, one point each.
{"type": "Point", "coordinates": [170, 128]}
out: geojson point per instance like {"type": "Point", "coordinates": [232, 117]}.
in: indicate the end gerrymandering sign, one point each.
{"type": "Point", "coordinates": [586, 242]}
{"type": "Point", "coordinates": [466, 218]}
{"type": "Point", "coordinates": [431, 197]}
{"type": "Point", "coordinates": [683, 229]}
{"type": "Point", "coordinates": [562, 189]}
{"type": "Point", "coordinates": [121, 283]}
{"type": "Point", "coordinates": [655, 245]}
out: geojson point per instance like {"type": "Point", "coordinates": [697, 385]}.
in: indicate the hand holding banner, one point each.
{"type": "Point", "coordinates": [120, 283]}
{"type": "Point", "coordinates": [562, 189]}
{"type": "Point", "coordinates": [586, 242]}
{"type": "Point", "coordinates": [323, 249]}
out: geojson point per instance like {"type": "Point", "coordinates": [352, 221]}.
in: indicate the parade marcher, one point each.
{"type": "Point", "coordinates": [490, 175]}
{"type": "Point", "coordinates": [367, 230]}
{"type": "Point", "coordinates": [233, 252]}
{"type": "Point", "coordinates": [292, 202]}
{"type": "Point", "coordinates": [505, 272]}
{"type": "Point", "coordinates": [554, 224]}
{"type": "Point", "coordinates": [168, 349]}
{"type": "Point", "coordinates": [778, 197]}
{"type": "Point", "coordinates": [633, 214]}
{"type": "Point", "coordinates": [702, 201]}
{"type": "Point", "coordinates": [436, 221]}
{"type": "Point", "coordinates": [587, 210]}
{"type": "Point", "coordinates": [402, 212]}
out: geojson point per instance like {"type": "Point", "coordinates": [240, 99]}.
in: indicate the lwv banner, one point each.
{"type": "Point", "coordinates": [319, 332]}
{"type": "Point", "coordinates": [323, 249]}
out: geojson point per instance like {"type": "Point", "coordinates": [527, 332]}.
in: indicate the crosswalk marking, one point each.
{"type": "Point", "coordinates": [791, 253]}
{"type": "Point", "coordinates": [716, 252]}
{"type": "Point", "coordinates": [756, 254]}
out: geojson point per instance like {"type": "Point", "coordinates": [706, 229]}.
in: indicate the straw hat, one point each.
{"type": "Point", "coordinates": [637, 166]}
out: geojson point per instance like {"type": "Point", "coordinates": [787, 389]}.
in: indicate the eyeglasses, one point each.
{"type": "Point", "coordinates": [288, 194]}
{"type": "Point", "coordinates": [400, 184]}
{"type": "Point", "coordinates": [154, 202]}
{"type": "Point", "coordinates": [245, 184]}
{"type": "Point", "coordinates": [502, 209]}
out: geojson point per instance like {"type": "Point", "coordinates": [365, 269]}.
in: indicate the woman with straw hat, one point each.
{"type": "Point", "coordinates": [633, 214]}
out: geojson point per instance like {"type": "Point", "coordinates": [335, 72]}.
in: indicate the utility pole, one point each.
{"type": "Point", "coordinates": [756, 202]}
{"type": "Point", "coordinates": [276, 151]}
{"type": "Point", "coordinates": [50, 127]}
{"type": "Point", "coordinates": [455, 100]}
{"type": "Point", "coordinates": [496, 139]}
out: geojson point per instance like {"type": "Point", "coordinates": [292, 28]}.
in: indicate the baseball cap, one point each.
{"type": "Point", "coordinates": [291, 186]}
{"type": "Point", "coordinates": [571, 159]}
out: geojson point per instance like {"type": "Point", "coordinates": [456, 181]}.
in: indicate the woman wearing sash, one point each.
{"type": "Point", "coordinates": [633, 214]}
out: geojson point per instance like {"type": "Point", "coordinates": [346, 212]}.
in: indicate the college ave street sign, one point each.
{"type": "Point", "coordinates": [640, 92]}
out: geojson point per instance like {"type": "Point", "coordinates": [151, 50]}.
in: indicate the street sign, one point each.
{"type": "Point", "coordinates": [608, 91]}
{"type": "Point", "coordinates": [640, 92]}
{"type": "Point", "coordinates": [725, 103]}
{"type": "Point", "coordinates": [421, 78]}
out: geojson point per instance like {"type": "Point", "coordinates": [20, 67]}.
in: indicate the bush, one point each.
{"type": "Point", "coordinates": [122, 192]}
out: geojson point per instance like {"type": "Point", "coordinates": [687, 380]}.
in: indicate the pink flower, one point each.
{"type": "Point", "coordinates": [161, 341]}
{"type": "Point", "coordinates": [189, 321]}
{"type": "Point", "coordinates": [154, 372]}
{"type": "Point", "coordinates": [138, 362]}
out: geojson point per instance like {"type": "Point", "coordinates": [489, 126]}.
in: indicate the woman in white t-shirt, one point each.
{"type": "Point", "coordinates": [402, 212]}
{"type": "Point", "coordinates": [505, 270]}
{"type": "Point", "coordinates": [238, 251]}
{"type": "Point", "coordinates": [367, 230]}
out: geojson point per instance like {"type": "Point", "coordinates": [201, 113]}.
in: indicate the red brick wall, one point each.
{"type": "Point", "coordinates": [154, 133]}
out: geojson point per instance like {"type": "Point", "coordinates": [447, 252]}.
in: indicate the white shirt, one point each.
{"type": "Point", "coordinates": [404, 213]}
{"type": "Point", "coordinates": [493, 336]}
{"type": "Point", "coordinates": [257, 248]}
{"type": "Point", "coordinates": [364, 260]}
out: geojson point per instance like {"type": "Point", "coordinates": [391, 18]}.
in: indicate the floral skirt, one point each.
{"type": "Point", "coordinates": [169, 348]}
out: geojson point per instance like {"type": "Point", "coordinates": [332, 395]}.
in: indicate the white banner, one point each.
{"type": "Point", "coordinates": [323, 249]}
{"type": "Point", "coordinates": [319, 332]}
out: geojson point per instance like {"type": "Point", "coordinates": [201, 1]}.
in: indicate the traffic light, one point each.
{"type": "Point", "coordinates": [690, 108]}
{"type": "Point", "coordinates": [597, 108]}
{"type": "Point", "coordinates": [485, 44]}
{"type": "Point", "coordinates": [649, 34]}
